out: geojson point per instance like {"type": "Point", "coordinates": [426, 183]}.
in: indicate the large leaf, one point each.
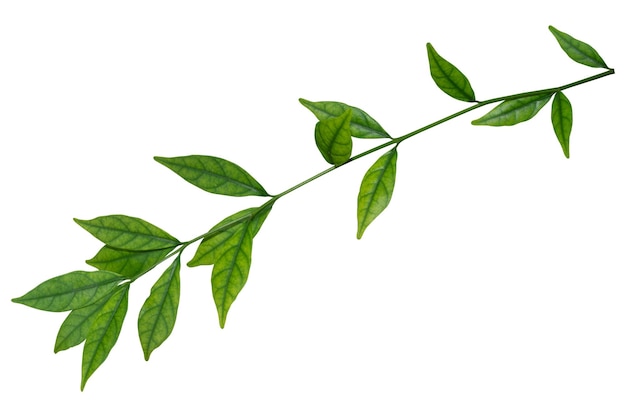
{"type": "Point", "coordinates": [376, 190]}
{"type": "Point", "coordinates": [362, 125]}
{"type": "Point", "coordinates": [129, 233]}
{"type": "Point", "coordinates": [214, 175]}
{"type": "Point", "coordinates": [448, 78]}
{"type": "Point", "coordinates": [577, 50]}
{"type": "Point", "coordinates": [104, 332]}
{"type": "Point", "coordinates": [511, 112]}
{"type": "Point", "coordinates": [127, 263]}
{"type": "Point", "coordinates": [333, 139]}
{"type": "Point", "coordinates": [71, 291]}
{"type": "Point", "coordinates": [562, 119]}
{"type": "Point", "coordinates": [158, 314]}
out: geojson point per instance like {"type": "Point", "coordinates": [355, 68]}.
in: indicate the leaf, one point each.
{"type": "Point", "coordinates": [448, 78]}
{"type": "Point", "coordinates": [332, 137]}
{"type": "Point", "coordinates": [376, 190]}
{"type": "Point", "coordinates": [71, 291]}
{"type": "Point", "coordinates": [577, 50]}
{"type": "Point", "coordinates": [562, 120]}
{"type": "Point", "coordinates": [104, 332]}
{"type": "Point", "coordinates": [158, 314]}
{"type": "Point", "coordinates": [129, 233]}
{"type": "Point", "coordinates": [127, 263]}
{"type": "Point", "coordinates": [511, 112]}
{"type": "Point", "coordinates": [362, 125]}
{"type": "Point", "coordinates": [214, 175]}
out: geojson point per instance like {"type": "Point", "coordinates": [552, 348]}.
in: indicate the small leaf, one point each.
{"type": "Point", "coordinates": [104, 332]}
{"type": "Point", "coordinates": [129, 233]}
{"type": "Point", "coordinates": [448, 78]}
{"type": "Point", "coordinates": [577, 50]}
{"type": "Point", "coordinates": [71, 291]}
{"type": "Point", "coordinates": [332, 137]}
{"type": "Point", "coordinates": [562, 118]}
{"type": "Point", "coordinates": [127, 263]}
{"type": "Point", "coordinates": [376, 190]}
{"type": "Point", "coordinates": [214, 175]}
{"type": "Point", "coordinates": [362, 125]}
{"type": "Point", "coordinates": [158, 314]}
{"type": "Point", "coordinates": [511, 112]}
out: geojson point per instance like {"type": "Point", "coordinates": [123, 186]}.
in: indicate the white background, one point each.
{"type": "Point", "coordinates": [493, 285]}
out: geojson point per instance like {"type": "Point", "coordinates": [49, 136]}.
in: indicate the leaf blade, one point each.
{"type": "Point", "coordinates": [448, 77]}
{"type": "Point", "coordinates": [577, 50]}
{"type": "Point", "coordinates": [127, 263]}
{"type": "Point", "coordinates": [512, 112]}
{"type": "Point", "coordinates": [562, 119]}
{"type": "Point", "coordinates": [333, 139]}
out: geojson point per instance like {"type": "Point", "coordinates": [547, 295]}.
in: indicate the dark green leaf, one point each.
{"type": "Point", "coordinates": [71, 291]}
{"type": "Point", "coordinates": [158, 314]}
{"type": "Point", "coordinates": [127, 263]}
{"type": "Point", "coordinates": [104, 332]}
{"type": "Point", "coordinates": [214, 175]}
{"type": "Point", "coordinates": [129, 233]}
{"type": "Point", "coordinates": [376, 190]}
{"type": "Point", "coordinates": [562, 118]}
{"type": "Point", "coordinates": [577, 50]}
{"type": "Point", "coordinates": [332, 137]}
{"type": "Point", "coordinates": [361, 124]}
{"type": "Point", "coordinates": [448, 78]}
{"type": "Point", "coordinates": [511, 112]}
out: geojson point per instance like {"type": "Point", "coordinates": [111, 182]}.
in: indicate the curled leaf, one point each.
{"type": "Point", "coordinates": [448, 78]}
{"type": "Point", "coordinates": [579, 51]}
{"type": "Point", "coordinates": [333, 139]}
{"type": "Point", "coordinates": [562, 119]}
{"type": "Point", "coordinates": [511, 112]}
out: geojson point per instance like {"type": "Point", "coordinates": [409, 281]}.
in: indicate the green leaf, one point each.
{"type": "Point", "coordinates": [511, 112]}
{"type": "Point", "coordinates": [332, 137]}
{"type": "Point", "coordinates": [448, 78]}
{"type": "Point", "coordinates": [158, 314]}
{"type": "Point", "coordinates": [562, 118]}
{"type": "Point", "coordinates": [71, 291]}
{"type": "Point", "coordinates": [362, 125]}
{"type": "Point", "coordinates": [214, 175]}
{"type": "Point", "coordinates": [577, 50]}
{"type": "Point", "coordinates": [376, 190]}
{"type": "Point", "coordinates": [127, 263]}
{"type": "Point", "coordinates": [74, 329]}
{"type": "Point", "coordinates": [129, 233]}
{"type": "Point", "coordinates": [104, 332]}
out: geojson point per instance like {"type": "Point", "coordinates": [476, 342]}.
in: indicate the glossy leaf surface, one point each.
{"type": "Point", "coordinates": [362, 125]}
{"type": "Point", "coordinates": [448, 77]}
{"type": "Point", "coordinates": [376, 190]}
{"type": "Point", "coordinates": [562, 118]}
{"type": "Point", "coordinates": [129, 233]}
{"type": "Point", "coordinates": [214, 175]}
{"type": "Point", "coordinates": [511, 112]}
{"type": "Point", "coordinates": [577, 50]}
{"type": "Point", "coordinates": [333, 139]}
{"type": "Point", "coordinates": [127, 263]}
{"type": "Point", "coordinates": [71, 291]}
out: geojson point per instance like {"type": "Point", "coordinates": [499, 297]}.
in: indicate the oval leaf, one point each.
{"type": "Point", "coordinates": [376, 190]}
{"type": "Point", "coordinates": [214, 175]}
{"type": "Point", "coordinates": [158, 314]}
{"type": "Point", "coordinates": [129, 233]}
{"type": "Point", "coordinates": [130, 264]}
{"type": "Point", "coordinates": [362, 125]}
{"type": "Point", "coordinates": [71, 291]}
{"type": "Point", "coordinates": [562, 119]}
{"type": "Point", "coordinates": [448, 78]}
{"type": "Point", "coordinates": [511, 112]}
{"type": "Point", "coordinates": [332, 137]}
{"type": "Point", "coordinates": [577, 50]}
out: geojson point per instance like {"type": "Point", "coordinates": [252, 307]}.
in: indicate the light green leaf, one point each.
{"type": "Point", "coordinates": [448, 78]}
{"type": "Point", "coordinates": [71, 291]}
{"type": "Point", "coordinates": [214, 175]}
{"type": "Point", "coordinates": [376, 190]}
{"type": "Point", "coordinates": [129, 233]}
{"type": "Point", "coordinates": [362, 125]}
{"type": "Point", "coordinates": [158, 314]}
{"type": "Point", "coordinates": [562, 118]}
{"type": "Point", "coordinates": [127, 263]}
{"type": "Point", "coordinates": [577, 50]}
{"type": "Point", "coordinates": [511, 112]}
{"type": "Point", "coordinates": [332, 137]}
{"type": "Point", "coordinates": [104, 332]}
